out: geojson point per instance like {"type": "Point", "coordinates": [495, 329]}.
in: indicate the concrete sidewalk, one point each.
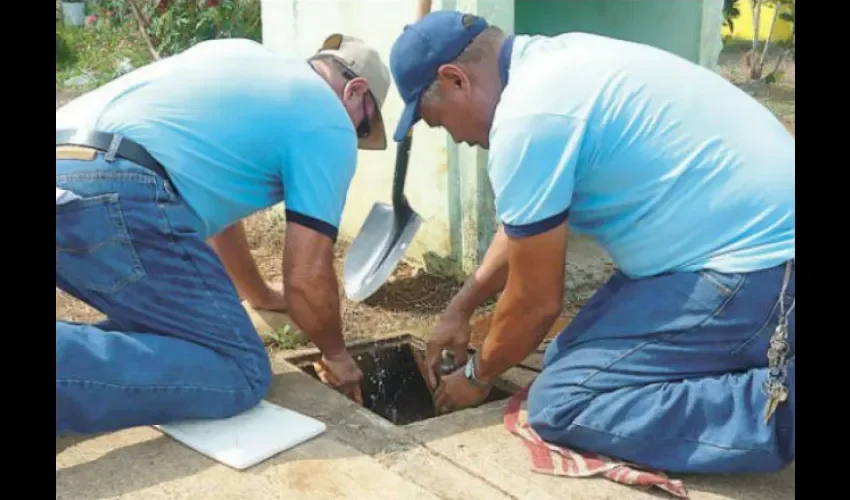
{"type": "Point", "coordinates": [465, 456]}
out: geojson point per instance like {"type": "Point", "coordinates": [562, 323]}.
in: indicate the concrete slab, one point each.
{"type": "Point", "coordinates": [141, 463]}
{"type": "Point", "coordinates": [487, 449]}
{"type": "Point", "coordinates": [463, 456]}
{"type": "Point", "coordinates": [361, 456]}
{"type": "Point", "coordinates": [390, 445]}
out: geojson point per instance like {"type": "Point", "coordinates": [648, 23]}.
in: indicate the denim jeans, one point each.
{"type": "Point", "coordinates": [667, 372]}
{"type": "Point", "coordinates": [177, 344]}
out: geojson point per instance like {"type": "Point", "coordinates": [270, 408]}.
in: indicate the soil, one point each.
{"type": "Point", "coordinates": [410, 301]}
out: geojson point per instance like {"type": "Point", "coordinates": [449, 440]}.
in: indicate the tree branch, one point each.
{"type": "Point", "coordinates": [777, 6]}
{"type": "Point", "coordinates": [144, 24]}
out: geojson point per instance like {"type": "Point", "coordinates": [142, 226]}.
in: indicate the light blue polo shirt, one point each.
{"type": "Point", "coordinates": [666, 164]}
{"type": "Point", "coordinates": [238, 127]}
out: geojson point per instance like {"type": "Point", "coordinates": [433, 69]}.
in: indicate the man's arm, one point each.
{"type": "Point", "coordinates": [531, 301]}
{"type": "Point", "coordinates": [533, 170]}
{"type": "Point", "coordinates": [453, 330]}
{"type": "Point", "coordinates": [316, 175]}
{"type": "Point", "coordinates": [311, 287]}
{"type": "Point", "coordinates": [231, 246]}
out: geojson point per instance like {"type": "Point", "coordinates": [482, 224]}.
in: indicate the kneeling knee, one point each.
{"type": "Point", "coordinates": [262, 378]}
{"type": "Point", "coordinates": [258, 377]}
{"type": "Point", "coordinates": [553, 405]}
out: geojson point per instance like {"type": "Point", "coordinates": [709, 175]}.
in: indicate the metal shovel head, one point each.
{"type": "Point", "coordinates": [377, 249]}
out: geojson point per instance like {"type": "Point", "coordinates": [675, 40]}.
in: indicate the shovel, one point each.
{"type": "Point", "coordinates": [384, 237]}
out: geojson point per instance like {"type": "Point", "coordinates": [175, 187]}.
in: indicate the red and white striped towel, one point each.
{"type": "Point", "coordinates": [560, 461]}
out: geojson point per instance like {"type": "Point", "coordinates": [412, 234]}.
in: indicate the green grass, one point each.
{"type": "Point", "coordinates": [96, 51]}
{"type": "Point", "coordinates": [286, 338]}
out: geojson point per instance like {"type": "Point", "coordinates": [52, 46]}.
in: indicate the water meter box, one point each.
{"type": "Point", "coordinates": [394, 385]}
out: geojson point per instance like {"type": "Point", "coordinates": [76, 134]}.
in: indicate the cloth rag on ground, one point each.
{"type": "Point", "coordinates": [560, 461]}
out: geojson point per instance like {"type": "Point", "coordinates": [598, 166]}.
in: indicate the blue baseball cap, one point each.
{"type": "Point", "coordinates": [436, 39]}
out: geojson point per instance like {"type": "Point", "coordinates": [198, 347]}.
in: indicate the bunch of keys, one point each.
{"type": "Point", "coordinates": [776, 390]}
{"type": "Point", "coordinates": [778, 395]}
{"type": "Point", "coordinates": [775, 387]}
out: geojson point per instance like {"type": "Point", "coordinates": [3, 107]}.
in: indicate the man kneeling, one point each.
{"type": "Point", "coordinates": [670, 364]}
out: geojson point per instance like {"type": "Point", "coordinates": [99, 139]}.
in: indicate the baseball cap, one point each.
{"type": "Point", "coordinates": [416, 56]}
{"type": "Point", "coordinates": [363, 61]}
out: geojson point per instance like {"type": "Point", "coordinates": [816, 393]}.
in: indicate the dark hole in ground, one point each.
{"type": "Point", "coordinates": [393, 384]}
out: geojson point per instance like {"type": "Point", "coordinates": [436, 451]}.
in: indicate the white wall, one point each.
{"type": "Point", "coordinates": [304, 24]}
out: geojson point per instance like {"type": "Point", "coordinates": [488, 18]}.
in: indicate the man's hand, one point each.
{"type": "Point", "coordinates": [452, 332]}
{"type": "Point", "coordinates": [342, 373]}
{"type": "Point", "coordinates": [455, 392]}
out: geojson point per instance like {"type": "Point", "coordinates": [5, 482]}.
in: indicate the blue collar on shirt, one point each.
{"type": "Point", "coordinates": [505, 59]}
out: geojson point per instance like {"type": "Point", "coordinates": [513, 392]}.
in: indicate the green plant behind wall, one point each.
{"type": "Point", "coordinates": [65, 55]}
{"type": "Point", "coordinates": [177, 25]}
{"type": "Point", "coordinates": [90, 55]}
{"type": "Point", "coordinates": [730, 13]}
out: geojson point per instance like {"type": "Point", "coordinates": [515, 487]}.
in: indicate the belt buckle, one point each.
{"type": "Point", "coordinates": [75, 153]}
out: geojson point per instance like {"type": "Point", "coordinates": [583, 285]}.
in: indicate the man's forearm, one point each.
{"type": "Point", "coordinates": [231, 246]}
{"type": "Point", "coordinates": [488, 279]}
{"type": "Point", "coordinates": [518, 327]}
{"type": "Point", "coordinates": [531, 302]}
{"type": "Point", "coordinates": [313, 302]}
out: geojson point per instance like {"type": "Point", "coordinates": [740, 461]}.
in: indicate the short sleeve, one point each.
{"type": "Point", "coordinates": [532, 167]}
{"type": "Point", "coordinates": [317, 172]}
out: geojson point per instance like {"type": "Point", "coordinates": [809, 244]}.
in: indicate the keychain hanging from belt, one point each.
{"type": "Point", "coordinates": [774, 386]}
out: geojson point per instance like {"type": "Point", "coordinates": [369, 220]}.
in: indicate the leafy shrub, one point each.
{"type": "Point", "coordinates": [177, 25]}
{"type": "Point", "coordinates": [65, 56]}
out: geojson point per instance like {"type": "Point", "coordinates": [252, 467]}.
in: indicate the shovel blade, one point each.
{"type": "Point", "coordinates": [377, 250]}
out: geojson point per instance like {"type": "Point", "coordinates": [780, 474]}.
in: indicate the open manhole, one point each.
{"type": "Point", "coordinates": [394, 386]}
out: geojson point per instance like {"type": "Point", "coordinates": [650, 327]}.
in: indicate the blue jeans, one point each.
{"type": "Point", "coordinates": [177, 343]}
{"type": "Point", "coordinates": [667, 372]}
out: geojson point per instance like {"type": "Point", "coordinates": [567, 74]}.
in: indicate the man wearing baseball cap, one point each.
{"type": "Point", "coordinates": [158, 163]}
{"type": "Point", "coordinates": [684, 360]}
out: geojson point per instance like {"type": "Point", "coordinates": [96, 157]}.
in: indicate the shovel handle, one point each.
{"type": "Point", "coordinates": [423, 8]}
{"type": "Point", "coordinates": [401, 160]}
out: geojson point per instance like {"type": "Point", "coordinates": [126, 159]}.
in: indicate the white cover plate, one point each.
{"type": "Point", "coordinates": [248, 438]}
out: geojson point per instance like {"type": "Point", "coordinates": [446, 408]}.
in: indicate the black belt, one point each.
{"type": "Point", "coordinates": [120, 146]}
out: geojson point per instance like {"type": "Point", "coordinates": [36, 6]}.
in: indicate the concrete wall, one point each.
{"type": "Point", "coordinates": [689, 28]}
{"type": "Point", "coordinates": [670, 24]}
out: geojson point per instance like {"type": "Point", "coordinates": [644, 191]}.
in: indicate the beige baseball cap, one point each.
{"type": "Point", "coordinates": [363, 61]}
